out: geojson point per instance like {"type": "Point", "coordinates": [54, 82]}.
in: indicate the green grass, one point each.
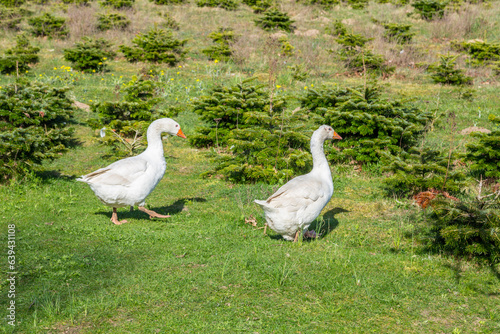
{"type": "Point", "coordinates": [204, 270]}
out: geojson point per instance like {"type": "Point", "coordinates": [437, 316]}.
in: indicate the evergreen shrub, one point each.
{"type": "Point", "coordinates": [358, 4]}
{"type": "Point", "coordinates": [446, 73]}
{"type": "Point", "coordinates": [12, 3]}
{"type": "Point", "coordinates": [429, 9]}
{"type": "Point", "coordinates": [170, 22]}
{"type": "Point", "coordinates": [258, 6]}
{"type": "Point", "coordinates": [118, 4]}
{"type": "Point", "coordinates": [112, 21]}
{"type": "Point", "coordinates": [156, 46]}
{"type": "Point", "coordinates": [355, 55]}
{"type": "Point", "coordinates": [222, 38]}
{"type": "Point", "coordinates": [126, 121]}
{"type": "Point", "coordinates": [484, 154]}
{"type": "Point", "coordinates": [19, 57]}
{"type": "Point", "coordinates": [168, 2]}
{"type": "Point", "coordinates": [225, 4]}
{"type": "Point", "coordinates": [274, 19]}
{"type": "Point", "coordinates": [259, 139]}
{"type": "Point", "coordinates": [467, 228]}
{"type": "Point", "coordinates": [90, 55]}
{"type": "Point", "coordinates": [420, 169]}
{"type": "Point", "coordinates": [10, 18]}
{"type": "Point", "coordinates": [369, 123]}
{"type": "Point", "coordinates": [78, 2]}
{"type": "Point", "coordinates": [33, 126]}
{"type": "Point", "coordinates": [481, 52]}
{"type": "Point", "coordinates": [48, 25]}
{"type": "Point", "coordinates": [398, 32]}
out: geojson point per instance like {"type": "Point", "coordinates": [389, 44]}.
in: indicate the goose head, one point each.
{"type": "Point", "coordinates": [167, 125]}
{"type": "Point", "coordinates": [327, 132]}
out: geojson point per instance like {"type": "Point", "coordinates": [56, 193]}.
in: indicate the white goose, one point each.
{"type": "Point", "coordinates": [129, 181]}
{"type": "Point", "coordinates": [297, 203]}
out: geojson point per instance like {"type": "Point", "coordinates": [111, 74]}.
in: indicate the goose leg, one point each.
{"type": "Point", "coordinates": [265, 229]}
{"type": "Point", "coordinates": [296, 236]}
{"type": "Point", "coordinates": [114, 218]}
{"type": "Point", "coordinates": [152, 214]}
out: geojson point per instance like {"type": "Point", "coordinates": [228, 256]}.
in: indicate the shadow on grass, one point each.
{"type": "Point", "coordinates": [171, 209]}
{"type": "Point", "coordinates": [322, 226]}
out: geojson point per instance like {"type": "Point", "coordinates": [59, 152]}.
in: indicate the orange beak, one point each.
{"type": "Point", "coordinates": [336, 135]}
{"type": "Point", "coordinates": [180, 134]}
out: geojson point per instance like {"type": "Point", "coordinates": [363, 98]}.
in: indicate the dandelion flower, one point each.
{"type": "Point", "coordinates": [93, 71]}
{"type": "Point", "coordinates": [312, 85]}
{"type": "Point", "coordinates": [216, 61]}
{"type": "Point", "coordinates": [121, 76]}
{"type": "Point", "coordinates": [197, 79]}
{"type": "Point", "coordinates": [305, 87]}
{"type": "Point", "coordinates": [55, 68]}
{"type": "Point", "coordinates": [178, 72]}
{"type": "Point", "coordinates": [171, 78]}
{"type": "Point", "coordinates": [90, 100]}
{"type": "Point", "coordinates": [278, 86]}
{"type": "Point", "coordinates": [104, 58]}
{"type": "Point", "coordinates": [180, 66]}
{"type": "Point", "coordinates": [99, 63]}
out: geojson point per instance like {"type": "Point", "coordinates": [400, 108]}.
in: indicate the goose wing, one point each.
{"type": "Point", "coordinates": [298, 193]}
{"type": "Point", "coordinates": [123, 172]}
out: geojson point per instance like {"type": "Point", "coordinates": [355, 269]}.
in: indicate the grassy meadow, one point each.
{"type": "Point", "coordinates": [209, 268]}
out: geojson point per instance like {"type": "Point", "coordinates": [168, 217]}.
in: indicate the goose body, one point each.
{"type": "Point", "coordinates": [295, 205]}
{"type": "Point", "coordinates": [129, 181]}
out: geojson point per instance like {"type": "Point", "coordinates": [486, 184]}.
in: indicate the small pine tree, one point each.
{"type": "Point", "coordinates": [170, 22]}
{"type": "Point", "coordinates": [417, 170]}
{"type": "Point", "coordinates": [10, 18]}
{"type": "Point", "coordinates": [258, 6]}
{"type": "Point", "coordinates": [130, 117]}
{"type": "Point", "coordinates": [446, 73]}
{"type": "Point", "coordinates": [399, 33]}
{"type": "Point", "coordinates": [225, 4]}
{"type": "Point", "coordinates": [157, 46]}
{"type": "Point", "coordinates": [354, 53]}
{"type": "Point", "coordinates": [48, 25]}
{"type": "Point", "coordinates": [259, 139]}
{"type": "Point", "coordinates": [118, 4]}
{"type": "Point", "coordinates": [168, 2]}
{"type": "Point", "coordinates": [112, 21]}
{"type": "Point", "coordinates": [12, 3]}
{"type": "Point", "coordinates": [468, 228]}
{"type": "Point", "coordinates": [274, 19]}
{"type": "Point", "coordinates": [429, 9]}
{"type": "Point", "coordinates": [485, 153]}
{"type": "Point", "coordinates": [369, 124]}
{"type": "Point", "coordinates": [18, 58]}
{"type": "Point", "coordinates": [33, 126]}
{"type": "Point", "coordinates": [90, 55]}
{"type": "Point", "coordinates": [222, 38]}
{"type": "Point", "coordinates": [481, 52]}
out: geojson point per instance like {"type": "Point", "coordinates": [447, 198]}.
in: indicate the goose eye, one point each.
{"type": "Point", "coordinates": [176, 125]}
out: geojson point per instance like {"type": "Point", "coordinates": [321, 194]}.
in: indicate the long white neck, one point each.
{"type": "Point", "coordinates": [320, 164]}
{"type": "Point", "coordinates": [155, 145]}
